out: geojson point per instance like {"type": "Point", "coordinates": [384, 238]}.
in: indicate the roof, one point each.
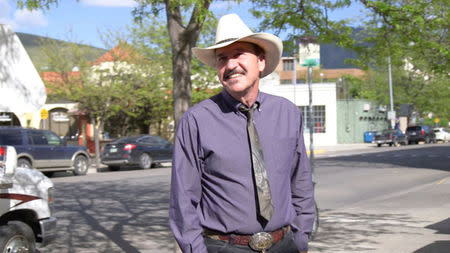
{"type": "Point", "coordinates": [122, 52]}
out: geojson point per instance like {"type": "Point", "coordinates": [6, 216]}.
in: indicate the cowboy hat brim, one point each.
{"type": "Point", "coordinates": [271, 44]}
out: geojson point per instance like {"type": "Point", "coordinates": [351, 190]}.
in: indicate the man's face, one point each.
{"type": "Point", "coordinates": [239, 67]}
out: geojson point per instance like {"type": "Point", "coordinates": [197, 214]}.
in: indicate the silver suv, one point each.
{"type": "Point", "coordinates": [44, 150]}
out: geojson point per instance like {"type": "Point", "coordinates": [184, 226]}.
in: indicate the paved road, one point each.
{"type": "Point", "coordinates": [384, 200]}
{"type": "Point", "coordinates": [371, 200]}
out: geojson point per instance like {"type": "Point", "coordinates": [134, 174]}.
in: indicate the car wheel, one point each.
{"type": "Point", "coordinates": [17, 236]}
{"type": "Point", "coordinates": [378, 144]}
{"type": "Point", "coordinates": [427, 140]}
{"type": "Point", "coordinates": [80, 165]}
{"type": "Point", "coordinates": [113, 168]}
{"type": "Point", "coordinates": [395, 143]}
{"type": "Point", "coordinates": [145, 161]}
{"type": "Point", "coordinates": [24, 163]}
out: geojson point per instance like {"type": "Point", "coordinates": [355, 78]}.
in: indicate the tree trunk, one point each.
{"type": "Point", "coordinates": [182, 40]}
{"type": "Point", "coordinates": [96, 142]}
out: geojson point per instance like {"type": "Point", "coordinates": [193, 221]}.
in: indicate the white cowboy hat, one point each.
{"type": "Point", "coordinates": [232, 29]}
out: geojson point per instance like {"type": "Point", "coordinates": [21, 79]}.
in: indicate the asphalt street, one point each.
{"type": "Point", "coordinates": [388, 199]}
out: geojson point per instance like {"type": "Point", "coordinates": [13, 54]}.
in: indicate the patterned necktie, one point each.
{"type": "Point", "coordinates": [259, 169]}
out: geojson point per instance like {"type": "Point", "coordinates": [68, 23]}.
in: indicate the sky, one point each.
{"type": "Point", "coordinates": [83, 21]}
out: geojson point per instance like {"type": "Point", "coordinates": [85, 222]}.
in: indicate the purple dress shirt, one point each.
{"type": "Point", "coordinates": [212, 182]}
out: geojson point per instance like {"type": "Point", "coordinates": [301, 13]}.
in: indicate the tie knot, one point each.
{"type": "Point", "coordinates": [248, 110]}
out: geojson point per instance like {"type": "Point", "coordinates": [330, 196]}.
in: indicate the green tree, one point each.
{"type": "Point", "coordinates": [412, 33]}
{"type": "Point", "coordinates": [121, 89]}
{"type": "Point", "coordinates": [151, 36]}
{"type": "Point", "coordinates": [183, 34]}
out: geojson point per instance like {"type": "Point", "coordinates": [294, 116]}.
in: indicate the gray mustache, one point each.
{"type": "Point", "coordinates": [228, 73]}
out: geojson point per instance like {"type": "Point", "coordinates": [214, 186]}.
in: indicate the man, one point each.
{"type": "Point", "coordinates": [241, 180]}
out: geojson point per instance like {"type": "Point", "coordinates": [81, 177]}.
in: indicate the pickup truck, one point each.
{"type": "Point", "coordinates": [390, 137]}
{"type": "Point", "coordinates": [26, 199]}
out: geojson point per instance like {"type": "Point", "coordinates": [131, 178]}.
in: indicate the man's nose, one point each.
{"type": "Point", "coordinates": [232, 63]}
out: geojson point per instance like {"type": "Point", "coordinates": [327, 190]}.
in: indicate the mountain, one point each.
{"type": "Point", "coordinates": [333, 57]}
{"type": "Point", "coordinates": [34, 43]}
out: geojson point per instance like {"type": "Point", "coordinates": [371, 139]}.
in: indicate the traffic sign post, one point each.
{"type": "Point", "coordinates": [44, 116]}
{"type": "Point", "coordinates": [310, 57]}
{"type": "Point", "coordinates": [310, 63]}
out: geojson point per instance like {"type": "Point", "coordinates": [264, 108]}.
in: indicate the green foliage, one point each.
{"type": "Point", "coordinates": [413, 33]}
{"type": "Point", "coordinates": [129, 90]}
{"type": "Point", "coordinates": [414, 29]}
{"type": "Point", "coordinates": [199, 95]}
{"type": "Point", "coordinates": [36, 4]}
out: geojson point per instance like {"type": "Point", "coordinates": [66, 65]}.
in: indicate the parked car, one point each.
{"type": "Point", "coordinates": [441, 134]}
{"type": "Point", "coordinates": [420, 133]}
{"type": "Point", "coordinates": [140, 150]}
{"type": "Point", "coordinates": [44, 150]}
{"type": "Point", "coordinates": [390, 137]}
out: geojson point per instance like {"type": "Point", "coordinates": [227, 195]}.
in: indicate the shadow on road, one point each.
{"type": "Point", "coordinates": [357, 232]}
{"type": "Point", "coordinates": [435, 247]}
{"type": "Point", "coordinates": [442, 227]}
{"type": "Point", "coordinates": [411, 157]}
{"type": "Point", "coordinates": [111, 217]}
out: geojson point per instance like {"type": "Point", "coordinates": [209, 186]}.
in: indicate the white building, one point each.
{"type": "Point", "coordinates": [323, 101]}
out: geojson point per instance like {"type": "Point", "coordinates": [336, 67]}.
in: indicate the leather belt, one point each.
{"type": "Point", "coordinates": [239, 239]}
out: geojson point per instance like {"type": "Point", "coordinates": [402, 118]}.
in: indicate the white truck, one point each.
{"type": "Point", "coordinates": [26, 199]}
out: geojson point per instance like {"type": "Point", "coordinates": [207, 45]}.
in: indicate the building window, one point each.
{"type": "Point", "coordinates": [318, 118]}
{"type": "Point", "coordinates": [288, 64]}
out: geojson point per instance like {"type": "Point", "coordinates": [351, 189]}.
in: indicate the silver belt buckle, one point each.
{"type": "Point", "coordinates": [261, 241]}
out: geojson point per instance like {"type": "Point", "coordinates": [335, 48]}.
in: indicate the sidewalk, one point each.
{"type": "Point", "coordinates": [340, 148]}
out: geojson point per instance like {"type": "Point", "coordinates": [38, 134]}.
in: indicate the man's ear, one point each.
{"type": "Point", "coordinates": [261, 62]}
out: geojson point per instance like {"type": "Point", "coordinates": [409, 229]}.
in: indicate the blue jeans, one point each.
{"type": "Point", "coordinates": [286, 245]}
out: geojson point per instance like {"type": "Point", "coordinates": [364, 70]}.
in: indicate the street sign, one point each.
{"type": "Point", "coordinates": [436, 120]}
{"type": "Point", "coordinates": [309, 54]}
{"type": "Point", "coordinates": [44, 114]}
{"type": "Point", "coordinates": [310, 63]}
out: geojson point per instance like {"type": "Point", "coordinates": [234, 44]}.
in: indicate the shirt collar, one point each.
{"type": "Point", "coordinates": [234, 104]}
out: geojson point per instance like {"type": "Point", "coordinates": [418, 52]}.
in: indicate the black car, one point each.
{"type": "Point", "coordinates": [390, 137]}
{"type": "Point", "coordinates": [140, 150]}
{"type": "Point", "coordinates": [420, 133]}
{"type": "Point", "coordinates": [44, 150]}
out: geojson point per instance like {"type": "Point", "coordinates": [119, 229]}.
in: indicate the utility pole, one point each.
{"type": "Point", "coordinates": [294, 75]}
{"type": "Point", "coordinates": [391, 113]}
{"type": "Point", "coordinates": [310, 121]}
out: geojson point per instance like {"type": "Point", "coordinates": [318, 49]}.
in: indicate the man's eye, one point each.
{"type": "Point", "coordinates": [221, 59]}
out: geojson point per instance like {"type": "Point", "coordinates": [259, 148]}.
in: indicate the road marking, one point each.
{"type": "Point", "coordinates": [442, 181]}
